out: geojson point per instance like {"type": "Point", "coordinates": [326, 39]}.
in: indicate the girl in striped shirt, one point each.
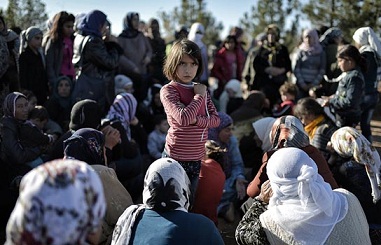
{"type": "Point", "coordinates": [189, 108]}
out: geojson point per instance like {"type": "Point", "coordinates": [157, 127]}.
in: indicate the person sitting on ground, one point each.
{"type": "Point", "coordinates": [60, 202]}
{"type": "Point", "coordinates": [288, 131]}
{"type": "Point", "coordinates": [288, 92]}
{"type": "Point", "coordinates": [87, 145]}
{"type": "Point", "coordinates": [211, 181]}
{"type": "Point", "coordinates": [235, 183]}
{"type": "Point", "coordinates": [359, 172]}
{"type": "Point", "coordinates": [303, 208]}
{"type": "Point", "coordinates": [316, 124]}
{"type": "Point", "coordinates": [163, 217]}
{"type": "Point", "coordinates": [156, 139]}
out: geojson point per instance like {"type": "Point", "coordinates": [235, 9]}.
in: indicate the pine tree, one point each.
{"type": "Point", "coordinates": [191, 11]}
{"type": "Point", "coordinates": [25, 14]}
{"type": "Point", "coordinates": [348, 15]}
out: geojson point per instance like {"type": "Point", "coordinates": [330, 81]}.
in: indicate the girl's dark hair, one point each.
{"type": "Point", "coordinates": [350, 51]}
{"type": "Point", "coordinates": [216, 152]}
{"type": "Point", "coordinates": [231, 37]}
{"type": "Point", "coordinates": [179, 48]}
{"type": "Point", "coordinates": [308, 106]}
{"type": "Point", "coordinates": [55, 33]}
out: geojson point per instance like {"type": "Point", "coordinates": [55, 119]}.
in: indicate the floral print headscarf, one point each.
{"type": "Point", "coordinates": [166, 188]}
{"type": "Point", "coordinates": [60, 202]}
{"type": "Point", "coordinates": [86, 144]}
{"type": "Point", "coordinates": [348, 142]}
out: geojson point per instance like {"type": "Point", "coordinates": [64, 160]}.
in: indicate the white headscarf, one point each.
{"type": "Point", "coordinates": [262, 128]}
{"type": "Point", "coordinates": [348, 142]}
{"type": "Point", "coordinates": [365, 36]}
{"type": "Point", "coordinates": [166, 188]}
{"type": "Point", "coordinates": [234, 85]}
{"type": "Point", "coordinates": [196, 34]}
{"type": "Point", "coordinates": [60, 202]}
{"type": "Point", "coordinates": [302, 203]}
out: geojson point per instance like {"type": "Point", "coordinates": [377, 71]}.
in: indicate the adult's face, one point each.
{"type": "Point", "coordinates": [21, 110]}
{"type": "Point", "coordinates": [225, 134]}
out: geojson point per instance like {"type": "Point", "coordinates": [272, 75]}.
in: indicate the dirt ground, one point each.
{"type": "Point", "coordinates": [228, 229]}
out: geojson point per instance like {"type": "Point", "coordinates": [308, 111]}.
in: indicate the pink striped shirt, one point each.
{"type": "Point", "coordinates": [186, 142]}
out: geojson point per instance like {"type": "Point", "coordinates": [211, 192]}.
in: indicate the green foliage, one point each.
{"type": "Point", "coordinates": [267, 12]}
{"type": "Point", "coordinates": [189, 12]}
{"type": "Point", "coordinates": [348, 15]}
{"type": "Point", "coordinates": [25, 13]}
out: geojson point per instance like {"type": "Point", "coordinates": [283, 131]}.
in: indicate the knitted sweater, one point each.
{"type": "Point", "coordinates": [353, 229]}
{"type": "Point", "coordinates": [186, 141]}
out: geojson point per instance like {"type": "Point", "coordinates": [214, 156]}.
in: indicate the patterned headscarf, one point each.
{"type": "Point", "coordinates": [348, 142]}
{"type": "Point", "coordinates": [86, 145]}
{"type": "Point", "coordinates": [314, 47]}
{"type": "Point", "coordinates": [225, 120]}
{"type": "Point", "coordinates": [60, 202]}
{"type": "Point", "coordinates": [166, 188]}
{"type": "Point", "coordinates": [27, 35]}
{"type": "Point", "coordinates": [123, 109]}
{"type": "Point", "coordinates": [288, 131]}
{"type": "Point", "coordinates": [9, 105]}
{"type": "Point", "coordinates": [302, 203]}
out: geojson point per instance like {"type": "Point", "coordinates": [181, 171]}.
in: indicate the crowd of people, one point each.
{"type": "Point", "coordinates": [125, 140]}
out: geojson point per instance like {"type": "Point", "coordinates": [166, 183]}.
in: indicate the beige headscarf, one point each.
{"type": "Point", "coordinates": [348, 142]}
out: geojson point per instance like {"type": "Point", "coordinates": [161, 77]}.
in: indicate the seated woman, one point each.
{"type": "Point", "coordinates": [88, 145]}
{"type": "Point", "coordinates": [287, 131]}
{"type": "Point", "coordinates": [360, 173]}
{"type": "Point", "coordinates": [235, 183]}
{"type": "Point", "coordinates": [316, 124]}
{"type": "Point", "coordinates": [163, 217]}
{"type": "Point", "coordinates": [303, 208]}
{"type": "Point", "coordinates": [14, 153]}
{"type": "Point", "coordinates": [60, 202]}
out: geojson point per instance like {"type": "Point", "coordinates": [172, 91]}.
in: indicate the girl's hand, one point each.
{"type": "Point", "coordinates": [200, 89]}
{"type": "Point", "coordinates": [240, 185]}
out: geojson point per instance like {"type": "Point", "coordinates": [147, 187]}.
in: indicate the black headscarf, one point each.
{"type": "Point", "coordinates": [128, 28]}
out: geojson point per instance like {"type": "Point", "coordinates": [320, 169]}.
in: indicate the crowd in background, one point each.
{"type": "Point", "coordinates": [178, 138]}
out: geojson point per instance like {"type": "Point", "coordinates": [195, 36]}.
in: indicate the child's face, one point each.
{"type": "Point", "coordinates": [21, 110]}
{"type": "Point", "coordinates": [164, 126]}
{"type": "Point", "coordinates": [39, 123]}
{"type": "Point", "coordinates": [225, 134]}
{"type": "Point", "coordinates": [186, 70]}
{"type": "Point", "coordinates": [36, 42]}
{"type": "Point", "coordinates": [32, 103]}
{"type": "Point", "coordinates": [68, 28]}
{"type": "Point", "coordinates": [63, 88]}
{"type": "Point", "coordinates": [287, 96]}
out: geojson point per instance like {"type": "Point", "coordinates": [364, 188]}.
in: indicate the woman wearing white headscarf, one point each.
{"type": "Point", "coordinates": [196, 33]}
{"type": "Point", "coordinates": [60, 202]}
{"type": "Point", "coordinates": [370, 47]}
{"type": "Point", "coordinates": [163, 217]}
{"type": "Point", "coordinates": [303, 208]}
